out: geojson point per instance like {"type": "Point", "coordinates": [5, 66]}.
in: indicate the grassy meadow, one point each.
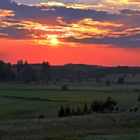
{"type": "Point", "coordinates": [20, 106]}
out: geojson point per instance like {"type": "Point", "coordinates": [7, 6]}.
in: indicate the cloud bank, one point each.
{"type": "Point", "coordinates": [109, 22]}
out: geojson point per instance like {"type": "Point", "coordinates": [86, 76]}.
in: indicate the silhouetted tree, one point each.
{"type": "Point", "coordinates": [68, 111]}
{"type": "Point", "coordinates": [110, 104]}
{"type": "Point", "coordinates": [73, 111]}
{"type": "Point", "coordinates": [64, 87]}
{"type": "Point", "coordinates": [85, 110]}
{"type": "Point", "coordinates": [98, 78]}
{"type": "Point", "coordinates": [45, 72]}
{"type": "Point", "coordinates": [107, 82]}
{"type": "Point", "coordinates": [61, 112]}
{"type": "Point", "coordinates": [121, 80]}
{"type": "Point", "coordinates": [78, 111]}
{"type": "Point", "coordinates": [96, 106]}
{"type": "Point", "coordinates": [41, 117]}
{"type": "Point", "coordinates": [28, 74]}
{"type": "Point", "coordinates": [99, 106]}
{"type": "Point", "coordinates": [135, 108]}
{"type": "Point", "coordinates": [6, 73]}
{"type": "Point", "coordinates": [19, 68]}
{"type": "Point", "coordinates": [133, 74]}
{"type": "Point", "coordinates": [138, 97]}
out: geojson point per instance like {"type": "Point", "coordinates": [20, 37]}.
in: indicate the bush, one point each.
{"type": "Point", "coordinates": [61, 112]}
{"type": "Point", "coordinates": [78, 111]}
{"type": "Point", "coordinates": [64, 87]}
{"type": "Point", "coordinates": [96, 106]}
{"type": "Point", "coordinates": [67, 111]}
{"type": "Point", "coordinates": [85, 110]}
{"type": "Point", "coordinates": [107, 82]}
{"type": "Point", "coordinates": [99, 106]}
{"type": "Point", "coordinates": [110, 104]}
{"type": "Point", "coordinates": [121, 80]}
{"type": "Point", "coordinates": [138, 97]}
{"type": "Point", "coordinates": [41, 117]}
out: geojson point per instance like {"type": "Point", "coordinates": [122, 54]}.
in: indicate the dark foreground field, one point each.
{"type": "Point", "coordinates": [20, 106]}
{"type": "Point", "coordinates": [101, 126]}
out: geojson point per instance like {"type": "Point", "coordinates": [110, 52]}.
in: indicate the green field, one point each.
{"type": "Point", "coordinates": [19, 113]}
{"type": "Point", "coordinates": [24, 108]}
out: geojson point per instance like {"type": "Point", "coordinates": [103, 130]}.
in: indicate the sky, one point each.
{"type": "Point", "coordinates": [95, 32]}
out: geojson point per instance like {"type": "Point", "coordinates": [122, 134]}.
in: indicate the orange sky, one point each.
{"type": "Point", "coordinates": [103, 33]}
{"type": "Point", "coordinates": [88, 54]}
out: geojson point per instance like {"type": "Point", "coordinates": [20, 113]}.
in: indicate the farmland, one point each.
{"type": "Point", "coordinates": [20, 106]}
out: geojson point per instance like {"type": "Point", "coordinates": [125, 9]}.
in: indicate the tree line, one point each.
{"type": "Point", "coordinates": [24, 72]}
{"type": "Point", "coordinates": [44, 72]}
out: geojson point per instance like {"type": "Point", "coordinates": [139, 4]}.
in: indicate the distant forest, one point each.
{"type": "Point", "coordinates": [23, 72]}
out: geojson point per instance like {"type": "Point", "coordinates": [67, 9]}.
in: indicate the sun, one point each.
{"type": "Point", "coordinates": [53, 40]}
{"type": "Point", "coordinates": [125, 1]}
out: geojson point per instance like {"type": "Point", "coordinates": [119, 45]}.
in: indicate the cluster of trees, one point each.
{"type": "Point", "coordinates": [108, 105]}
{"type": "Point", "coordinates": [24, 72]}
{"type": "Point", "coordinates": [6, 73]}
{"type": "Point", "coordinates": [27, 74]}
{"type": "Point", "coordinates": [67, 111]}
{"type": "Point", "coordinates": [97, 106]}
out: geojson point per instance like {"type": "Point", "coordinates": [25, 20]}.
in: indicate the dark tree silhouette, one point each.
{"type": "Point", "coordinates": [28, 74]}
{"type": "Point", "coordinates": [61, 112]}
{"type": "Point", "coordinates": [45, 72]}
{"type": "Point", "coordinates": [73, 111]}
{"type": "Point", "coordinates": [107, 82]}
{"type": "Point", "coordinates": [96, 106]}
{"type": "Point", "coordinates": [138, 97]}
{"type": "Point", "coordinates": [85, 110]}
{"type": "Point", "coordinates": [64, 87]}
{"type": "Point", "coordinates": [121, 80]}
{"type": "Point", "coordinates": [78, 111]}
{"type": "Point", "coordinates": [68, 111]}
{"type": "Point", "coordinates": [19, 68]}
{"type": "Point", "coordinates": [99, 106]}
{"type": "Point", "coordinates": [6, 73]}
{"type": "Point", "coordinates": [110, 104]}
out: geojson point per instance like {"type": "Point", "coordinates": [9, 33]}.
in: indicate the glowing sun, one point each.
{"type": "Point", "coordinates": [53, 40]}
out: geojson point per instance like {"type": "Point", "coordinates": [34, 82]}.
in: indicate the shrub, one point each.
{"type": "Point", "coordinates": [61, 112]}
{"type": "Point", "coordinates": [107, 82]}
{"type": "Point", "coordinates": [64, 87]}
{"type": "Point", "coordinates": [121, 80]}
{"type": "Point", "coordinates": [110, 104]}
{"type": "Point", "coordinates": [96, 106]}
{"type": "Point", "coordinates": [41, 117]}
{"type": "Point", "coordinates": [78, 111]}
{"type": "Point", "coordinates": [85, 110]}
{"type": "Point", "coordinates": [138, 97]}
{"type": "Point", "coordinates": [68, 111]}
{"type": "Point", "coordinates": [73, 111]}
{"type": "Point", "coordinates": [99, 106]}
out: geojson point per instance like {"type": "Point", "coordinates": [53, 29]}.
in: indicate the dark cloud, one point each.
{"type": "Point", "coordinates": [130, 12]}
{"type": "Point", "coordinates": [125, 41]}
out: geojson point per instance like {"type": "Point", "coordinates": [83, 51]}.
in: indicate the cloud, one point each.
{"type": "Point", "coordinates": [70, 23]}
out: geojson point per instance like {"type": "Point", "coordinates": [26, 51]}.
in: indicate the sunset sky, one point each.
{"type": "Point", "coordinates": [98, 32]}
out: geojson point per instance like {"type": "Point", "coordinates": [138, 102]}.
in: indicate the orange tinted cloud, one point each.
{"type": "Point", "coordinates": [6, 13]}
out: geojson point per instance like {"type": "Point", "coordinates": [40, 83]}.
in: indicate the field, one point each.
{"type": "Point", "coordinates": [21, 105]}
